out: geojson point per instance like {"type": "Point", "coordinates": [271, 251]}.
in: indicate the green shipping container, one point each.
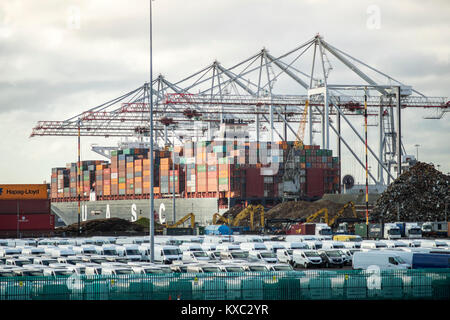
{"type": "Point", "coordinates": [223, 160]}
{"type": "Point", "coordinates": [361, 230]}
{"type": "Point", "coordinates": [122, 180]}
{"type": "Point", "coordinates": [223, 181]}
{"type": "Point", "coordinates": [114, 153]}
{"type": "Point", "coordinates": [201, 168]}
{"type": "Point", "coordinates": [219, 149]}
{"type": "Point", "coordinates": [128, 151]}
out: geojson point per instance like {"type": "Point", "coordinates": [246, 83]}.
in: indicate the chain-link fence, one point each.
{"type": "Point", "coordinates": [292, 285]}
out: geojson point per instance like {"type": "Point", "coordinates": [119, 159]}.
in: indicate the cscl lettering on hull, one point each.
{"type": "Point", "coordinates": [86, 213]}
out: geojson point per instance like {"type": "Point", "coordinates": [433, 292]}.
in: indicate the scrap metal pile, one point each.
{"type": "Point", "coordinates": [419, 194]}
{"type": "Point", "coordinates": [303, 209]}
{"type": "Point", "coordinates": [112, 226]}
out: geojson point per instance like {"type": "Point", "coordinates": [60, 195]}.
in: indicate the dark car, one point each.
{"type": "Point", "coordinates": [331, 258]}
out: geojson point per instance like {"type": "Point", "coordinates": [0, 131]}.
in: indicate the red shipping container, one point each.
{"type": "Point", "coordinates": [308, 228]}
{"type": "Point", "coordinates": [314, 181]}
{"type": "Point", "coordinates": [255, 183]}
{"type": "Point", "coordinates": [43, 221]}
{"type": "Point", "coordinates": [25, 206]}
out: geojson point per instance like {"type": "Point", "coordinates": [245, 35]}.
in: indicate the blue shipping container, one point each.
{"type": "Point", "coordinates": [218, 230]}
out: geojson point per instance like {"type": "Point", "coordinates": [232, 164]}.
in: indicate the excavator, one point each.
{"type": "Point", "coordinates": [217, 218]}
{"type": "Point", "coordinates": [182, 220]}
{"type": "Point", "coordinates": [330, 222]}
{"type": "Point", "coordinates": [324, 211]}
{"type": "Point", "coordinates": [250, 210]}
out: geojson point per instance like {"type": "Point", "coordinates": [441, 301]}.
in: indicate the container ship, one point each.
{"type": "Point", "coordinates": [203, 177]}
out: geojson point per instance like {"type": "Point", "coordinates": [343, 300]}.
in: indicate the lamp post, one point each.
{"type": "Point", "coordinates": [150, 98]}
{"type": "Point", "coordinates": [417, 151]}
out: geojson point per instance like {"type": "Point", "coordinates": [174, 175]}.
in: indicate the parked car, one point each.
{"type": "Point", "coordinates": [331, 258]}
{"type": "Point", "coordinates": [234, 255]}
{"type": "Point", "coordinates": [195, 256]}
{"type": "Point", "coordinates": [203, 268]}
{"type": "Point", "coordinates": [251, 246]}
{"type": "Point", "coordinates": [306, 259]}
{"type": "Point", "coordinates": [329, 244]}
{"type": "Point", "coordinates": [167, 254]}
{"type": "Point", "coordinates": [231, 268]}
{"type": "Point", "coordinates": [266, 256]}
{"type": "Point", "coordinates": [285, 256]}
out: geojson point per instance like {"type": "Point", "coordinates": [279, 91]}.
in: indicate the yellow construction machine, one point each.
{"type": "Point", "coordinates": [250, 210]}
{"type": "Point", "coordinates": [182, 220]}
{"type": "Point", "coordinates": [217, 218]}
{"type": "Point", "coordinates": [331, 221]}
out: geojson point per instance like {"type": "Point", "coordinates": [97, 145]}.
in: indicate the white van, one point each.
{"type": "Point", "coordinates": [108, 250]}
{"type": "Point", "coordinates": [394, 243]}
{"type": "Point", "coordinates": [167, 254]}
{"type": "Point", "coordinates": [5, 251]}
{"type": "Point", "coordinates": [411, 243]}
{"type": "Point", "coordinates": [195, 256]}
{"type": "Point", "coordinates": [212, 239]}
{"type": "Point", "coordinates": [85, 249]}
{"type": "Point", "coordinates": [373, 244]}
{"type": "Point", "coordinates": [227, 247]}
{"type": "Point", "coordinates": [332, 244]}
{"type": "Point", "coordinates": [433, 244]}
{"type": "Point", "coordinates": [248, 238]}
{"type": "Point", "coordinates": [70, 259]}
{"type": "Point", "coordinates": [285, 256]}
{"type": "Point", "coordinates": [57, 272]}
{"type": "Point", "coordinates": [313, 244]}
{"type": "Point", "coordinates": [306, 259]}
{"type": "Point", "coordinates": [207, 268]}
{"type": "Point", "coordinates": [190, 246]}
{"type": "Point", "coordinates": [382, 259]}
{"type": "Point", "coordinates": [131, 251]}
{"type": "Point", "coordinates": [116, 270]}
{"type": "Point", "coordinates": [128, 240]}
{"type": "Point", "coordinates": [33, 251]}
{"type": "Point", "coordinates": [93, 270]}
{"type": "Point", "coordinates": [352, 244]}
{"type": "Point", "coordinates": [299, 238]}
{"type": "Point", "coordinates": [274, 245]}
{"type": "Point", "coordinates": [295, 245]}
{"type": "Point", "coordinates": [250, 246]}
{"type": "Point", "coordinates": [209, 246]}
{"type": "Point", "coordinates": [265, 256]}
{"type": "Point", "coordinates": [233, 255]}
{"type": "Point", "coordinates": [60, 252]}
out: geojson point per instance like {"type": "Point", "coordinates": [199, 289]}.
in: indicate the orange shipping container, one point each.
{"type": "Point", "coordinates": [223, 174]}
{"type": "Point", "coordinates": [23, 191]}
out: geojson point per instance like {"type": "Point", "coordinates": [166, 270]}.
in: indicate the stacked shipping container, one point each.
{"type": "Point", "coordinates": [25, 208]}
{"type": "Point", "coordinates": [203, 169]}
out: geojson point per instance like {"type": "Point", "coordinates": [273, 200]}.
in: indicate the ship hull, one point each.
{"type": "Point", "coordinates": [203, 208]}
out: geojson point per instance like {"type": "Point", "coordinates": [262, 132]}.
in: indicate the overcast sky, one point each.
{"type": "Point", "coordinates": [59, 58]}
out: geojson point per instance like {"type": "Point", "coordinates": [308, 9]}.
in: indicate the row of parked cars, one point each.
{"type": "Point", "coordinates": [198, 254]}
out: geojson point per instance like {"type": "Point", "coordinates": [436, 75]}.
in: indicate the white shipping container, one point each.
{"type": "Point", "coordinates": [268, 179]}
{"type": "Point", "coordinates": [190, 160]}
{"type": "Point", "coordinates": [113, 175]}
